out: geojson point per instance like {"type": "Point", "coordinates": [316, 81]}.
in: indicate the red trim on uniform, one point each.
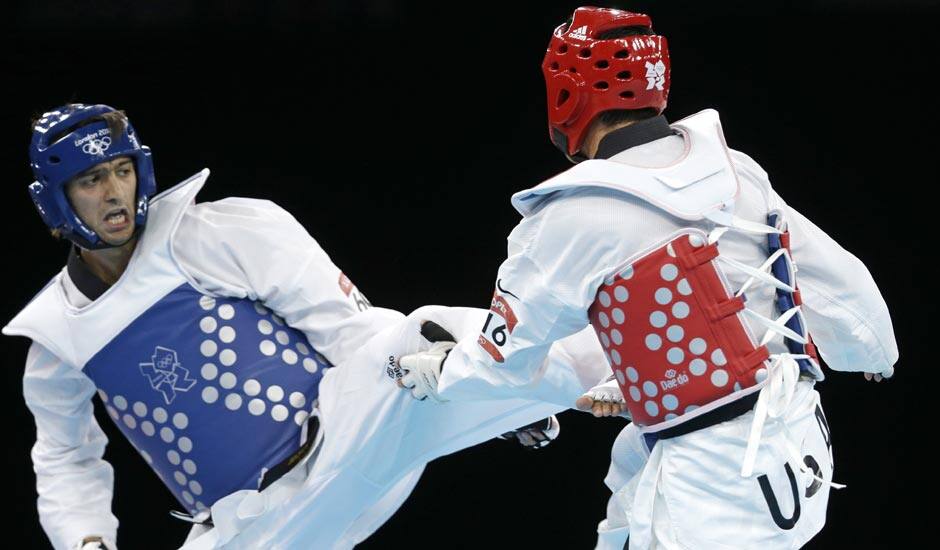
{"type": "Point", "coordinates": [797, 297]}
{"type": "Point", "coordinates": [810, 348]}
{"type": "Point", "coordinates": [785, 240]}
{"type": "Point", "coordinates": [488, 347]}
{"type": "Point", "coordinates": [500, 307]}
{"type": "Point", "coordinates": [345, 284]}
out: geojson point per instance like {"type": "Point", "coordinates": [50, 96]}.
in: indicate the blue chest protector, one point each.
{"type": "Point", "coordinates": [213, 391]}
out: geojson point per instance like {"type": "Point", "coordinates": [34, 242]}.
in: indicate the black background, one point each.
{"type": "Point", "coordinates": [396, 132]}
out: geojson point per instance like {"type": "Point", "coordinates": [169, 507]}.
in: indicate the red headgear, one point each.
{"type": "Point", "coordinates": [586, 76]}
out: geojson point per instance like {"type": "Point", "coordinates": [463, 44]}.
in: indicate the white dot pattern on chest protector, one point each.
{"type": "Point", "coordinates": [665, 326]}
{"type": "Point", "coordinates": [228, 380]}
{"type": "Point", "coordinates": [310, 365]}
{"type": "Point", "coordinates": [621, 294]}
{"type": "Point", "coordinates": [257, 407]}
{"type": "Point", "coordinates": [658, 319]}
{"type": "Point", "coordinates": [680, 310]}
{"type": "Point", "coordinates": [670, 402]}
{"type": "Point", "coordinates": [279, 413]}
{"type": "Point", "coordinates": [275, 393]}
{"type": "Point", "coordinates": [618, 316]}
{"type": "Point", "coordinates": [129, 421]}
{"type": "Point", "coordinates": [233, 401]}
{"type": "Point", "coordinates": [632, 374]}
{"type": "Point", "coordinates": [209, 371]}
{"type": "Point", "coordinates": [252, 388]}
{"type": "Point", "coordinates": [181, 421]}
{"type": "Point", "coordinates": [208, 348]}
{"type": "Point", "coordinates": [616, 337]}
{"type": "Point", "coordinates": [663, 296]}
{"type": "Point", "coordinates": [719, 377]}
{"type": "Point", "coordinates": [297, 400]}
{"type": "Point", "coordinates": [223, 347]}
{"type": "Point", "coordinates": [675, 356]}
{"type": "Point", "coordinates": [208, 324]}
{"type": "Point", "coordinates": [668, 272]}
{"type": "Point", "coordinates": [267, 347]}
{"type": "Point", "coordinates": [228, 357]}
{"type": "Point", "coordinates": [653, 342]}
{"type": "Point", "coordinates": [210, 395]}
{"type": "Point", "coordinates": [635, 393]}
{"type": "Point", "coordinates": [227, 334]}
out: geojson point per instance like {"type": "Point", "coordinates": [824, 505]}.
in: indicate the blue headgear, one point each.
{"type": "Point", "coordinates": [75, 150]}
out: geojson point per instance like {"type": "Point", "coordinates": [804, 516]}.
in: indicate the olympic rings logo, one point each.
{"type": "Point", "coordinates": [97, 146]}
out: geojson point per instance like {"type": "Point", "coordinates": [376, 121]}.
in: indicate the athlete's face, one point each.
{"type": "Point", "coordinates": [104, 197]}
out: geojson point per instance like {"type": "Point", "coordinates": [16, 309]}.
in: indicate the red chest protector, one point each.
{"type": "Point", "coordinates": [670, 327]}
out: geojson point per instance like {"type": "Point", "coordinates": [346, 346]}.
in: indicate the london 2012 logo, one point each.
{"type": "Point", "coordinates": [655, 75]}
{"type": "Point", "coordinates": [166, 374]}
{"type": "Point", "coordinates": [95, 143]}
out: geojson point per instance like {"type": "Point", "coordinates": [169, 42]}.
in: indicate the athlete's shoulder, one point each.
{"type": "Point", "coordinates": [236, 210]}
{"type": "Point", "coordinates": [744, 163]}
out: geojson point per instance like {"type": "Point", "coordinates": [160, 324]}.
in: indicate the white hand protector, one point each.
{"type": "Point", "coordinates": [537, 434]}
{"type": "Point", "coordinates": [423, 371]}
{"type": "Point", "coordinates": [604, 399]}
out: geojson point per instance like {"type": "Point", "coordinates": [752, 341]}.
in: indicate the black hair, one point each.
{"type": "Point", "coordinates": [116, 121]}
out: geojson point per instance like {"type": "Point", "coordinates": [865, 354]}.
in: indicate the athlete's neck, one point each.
{"type": "Point", "coordinates": [108, 264]}
{"type": "Point", "coordinates": [596, 132]}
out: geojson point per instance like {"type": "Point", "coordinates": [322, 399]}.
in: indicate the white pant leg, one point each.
{"type": "Point", "coordinates": [375, 434]}
{"type": "Point", "coordinates": [628, 457]}
{"type": "Point", "coordinates": [691, 494]}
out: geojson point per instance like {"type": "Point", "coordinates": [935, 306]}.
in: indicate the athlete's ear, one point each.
{"type": "Point", "coordinates": [434, 332]}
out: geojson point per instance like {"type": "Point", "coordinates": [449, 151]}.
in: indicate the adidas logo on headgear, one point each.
{"type": "Point", "coordinates": [580, 33]}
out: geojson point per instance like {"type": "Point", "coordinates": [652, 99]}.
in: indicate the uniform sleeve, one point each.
{"type": "Point", "coordinates": [253, 248]}
{"type": "Point", "coordinates": [846, 314]}
{"type": "Point", "coordinates": [74, 483]}
{"type": "Point", "coordinates": [543, 291]}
